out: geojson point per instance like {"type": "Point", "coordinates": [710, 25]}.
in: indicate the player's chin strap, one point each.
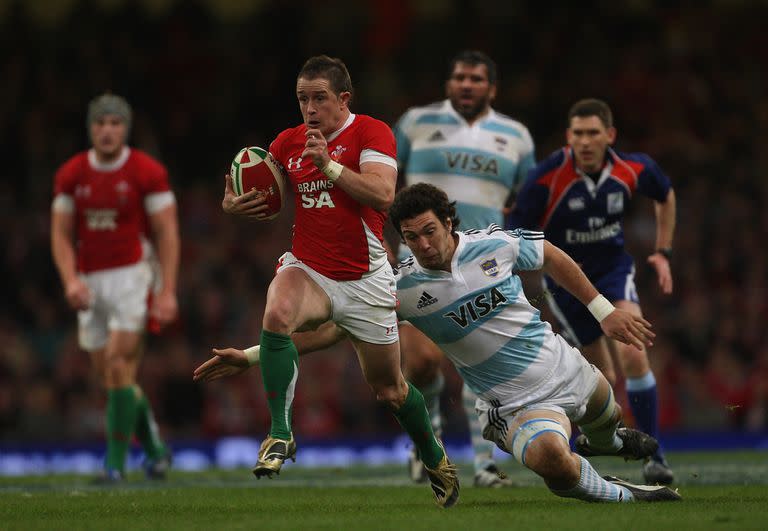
{"type": "Point", "coordinates": [529, 430]}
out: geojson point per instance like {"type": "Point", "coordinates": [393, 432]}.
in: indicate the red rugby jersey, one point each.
{"type": "Point", "coordinates": [333, 233]}
{"type": "Point", "coordinates": [110, 218]}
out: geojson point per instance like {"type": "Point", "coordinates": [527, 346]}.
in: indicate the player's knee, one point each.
{"type": "Point", "coordinates": [118, 372]}
{"type": "Point", "coordinates": [603, 421]}
{"type": "Point", "coordinates": [279, 318]}
{"type": "Point", "coordinates": [537, 439]}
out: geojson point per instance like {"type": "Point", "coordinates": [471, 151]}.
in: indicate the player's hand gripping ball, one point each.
{"type": "Point", "coordinates": [255, 168]}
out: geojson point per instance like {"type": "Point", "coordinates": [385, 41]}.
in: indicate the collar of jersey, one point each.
{"type": "Point", "coordinates": [111, 166]}
{"type": "Point", "coordinates": [450, 109]}
{"type": "Point", "coordinates": [605, 173]}
{"type": "Point", "coordinates": [332, 136]}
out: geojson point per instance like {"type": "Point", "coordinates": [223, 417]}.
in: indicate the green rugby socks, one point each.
{"type": "Point", "coordinates": [146, 429]}
{"type": "Point", "coordinates": [279, 371]}
{"type": "Point", "coordinates": [414, 419]}
{"type": "Point", "coordinates": [121, 418]}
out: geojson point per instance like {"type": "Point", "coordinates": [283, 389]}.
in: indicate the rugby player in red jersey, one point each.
{"type": "Point", "coordinates": [342, 168]}
{"type": "Point", "coordinates": [113, 217]}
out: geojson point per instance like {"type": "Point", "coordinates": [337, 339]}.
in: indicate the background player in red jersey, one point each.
{"type": "Point", "coordinates": [343, 172]}
{"type": "Point", "coordinates": [577, 196]}
{"type": "Point", "coordinates": [107, 201]}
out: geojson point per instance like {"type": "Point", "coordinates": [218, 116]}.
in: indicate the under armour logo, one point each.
{"type": "Point", "coordinates": [294, 164]}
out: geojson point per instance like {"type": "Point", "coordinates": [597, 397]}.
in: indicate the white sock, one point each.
{"type": "Point", "coordinates": [482, 448]}
{"type": "Point", "coordinates": [591, 487]}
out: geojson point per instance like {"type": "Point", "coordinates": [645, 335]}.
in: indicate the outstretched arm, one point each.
{"type": "Point", "coordinates": [231, 361]}
{"type": "Point", "coordinates": [616, 324]}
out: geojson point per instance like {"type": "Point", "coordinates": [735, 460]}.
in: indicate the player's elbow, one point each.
{"type": "Point", "coordinates": [382, 198]}
{"type": "Point", "coordinates": [386, 200]}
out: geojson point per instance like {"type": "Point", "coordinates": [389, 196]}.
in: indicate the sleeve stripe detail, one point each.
{"type": "Point", "coordinates": [156, 202]}
{"type": "Point", "coordinates": [371, 155]}
{"type": "Point", "coordinates": [63, 203]}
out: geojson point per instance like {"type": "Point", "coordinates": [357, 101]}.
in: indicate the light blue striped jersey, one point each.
{"type": "Point", "coordinates": [478, 314]}
{"type": "Point", "coordinates": [477, 165]}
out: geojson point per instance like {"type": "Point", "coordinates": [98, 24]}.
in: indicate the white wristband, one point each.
{"type": "Point", "coordinates": [600, 308]}
{"type": "Point", "coordinates": [252, 353]}
{"type": "Point", "coordinates": [333, 170]}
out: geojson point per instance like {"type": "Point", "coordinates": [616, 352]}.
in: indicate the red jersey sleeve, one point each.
{"type": "Point", "coordinates": [277, 145]}
{"type": "Point", "coordinates": [65, 179]}
{"type": "Point", "coordinates": [378, 136]}
{"type": "Point", "coordinates": [152, 175]}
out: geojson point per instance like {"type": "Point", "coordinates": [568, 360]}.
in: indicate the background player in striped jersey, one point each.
{"type": "Point", "coordinates": [337, 268]}
{"type": "Point", "coordinates": [107, 201]}
{"type": "Point", "coordinates": [577, 196]}
{"type": "Point", "coordinates": [479, 157]}
{"type": "Point", "coordinates": [531, 384]}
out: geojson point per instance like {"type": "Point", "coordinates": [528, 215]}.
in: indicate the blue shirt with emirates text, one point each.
{"type": "Point", "coordinates": [579, 215]}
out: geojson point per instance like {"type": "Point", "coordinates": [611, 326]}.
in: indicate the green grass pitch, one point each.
{"type": "Point", "coordinates": [723, 490]}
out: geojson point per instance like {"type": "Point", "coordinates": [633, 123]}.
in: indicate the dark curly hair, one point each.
{"type": "Point", "coordinates": [474, 58]}
{"type": "Point", "coordinates": [419, 198]}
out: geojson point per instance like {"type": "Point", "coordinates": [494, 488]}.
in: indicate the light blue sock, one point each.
{"type": "Point", "coordinates": [483, 449]}
{"type": "Point", "coordinates": [591, 487]}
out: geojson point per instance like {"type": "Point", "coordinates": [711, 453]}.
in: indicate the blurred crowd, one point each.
{"type": "Point", "coordinates": [687, 86]}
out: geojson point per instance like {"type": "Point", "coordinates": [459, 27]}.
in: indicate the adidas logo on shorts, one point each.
{"type": "Point", "coordinates": [425, 300]}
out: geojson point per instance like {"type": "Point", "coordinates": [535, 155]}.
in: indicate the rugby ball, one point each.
{"type": "Point", "coordinates": [254, 167]}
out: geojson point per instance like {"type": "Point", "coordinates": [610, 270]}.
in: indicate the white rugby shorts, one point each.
{"type": "Point", "coordinates": [567, 392]}
{"type": "Point", "coordinates": [119, 302]}
{"type": "Point", "coordinates": [364, 308]}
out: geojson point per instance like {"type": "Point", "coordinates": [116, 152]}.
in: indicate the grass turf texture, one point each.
{"type": "Point", "coordinates": [720, 491]}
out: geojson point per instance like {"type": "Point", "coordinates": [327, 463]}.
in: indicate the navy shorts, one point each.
{"type": "Point", "coordinates": [614, 278]}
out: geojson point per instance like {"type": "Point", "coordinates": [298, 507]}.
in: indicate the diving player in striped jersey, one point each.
{"type": "Point", "coordinates": [577, 196]}
{"type": "Point", "coordinates": [479, 157]}
{"type": "Point", "coordinates": [461, 289]}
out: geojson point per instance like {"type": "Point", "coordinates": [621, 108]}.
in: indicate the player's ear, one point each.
{"type": "Point", "coordinates": [344, 98]}
{"type": "Point", "coordinates": [611, 132]}
{"type": "Point", "coordinates": [492, 92]}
